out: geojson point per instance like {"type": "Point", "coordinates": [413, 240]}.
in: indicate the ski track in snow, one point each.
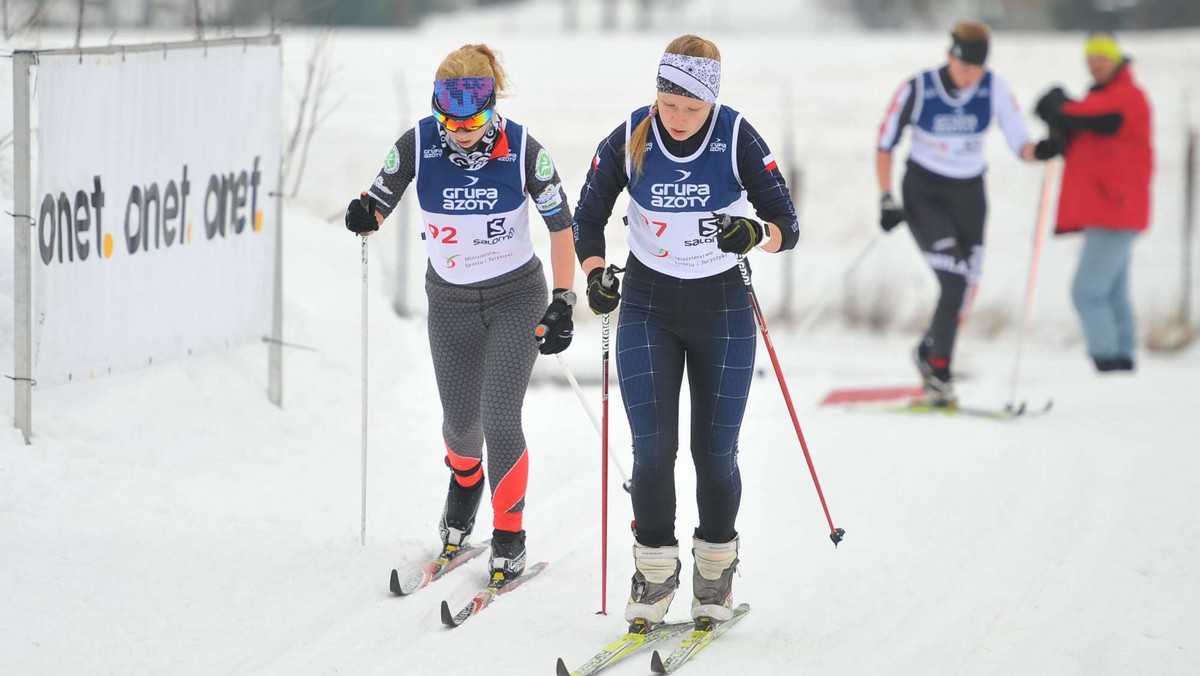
{"type": "Point", "coordinates": [171, 521]}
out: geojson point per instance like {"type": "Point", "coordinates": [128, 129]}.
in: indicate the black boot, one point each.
{"type": "Point", "coordinates": [458, 516]}
{"type": "Point", "coordinates": [508, 556]}
{"type": "Point", "coordinates": [936, 380]}
{"type": "Point", "coordinates": [1108, 364]}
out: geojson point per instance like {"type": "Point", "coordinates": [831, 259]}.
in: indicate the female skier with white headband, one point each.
{"type": "Point", "coordinates": [689, 165]}
{"type": "Point", "coordinates": [473, 170]}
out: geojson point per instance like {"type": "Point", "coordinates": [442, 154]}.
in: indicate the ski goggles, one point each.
{"type": "Point", "coordinates": [472, 123]}
{"type": "Point", "coordinates": [466, 103]}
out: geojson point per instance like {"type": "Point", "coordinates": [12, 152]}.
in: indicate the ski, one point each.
{"type": "Point", "coordinates": [705, 633]}
{"type": "Point", "coordinates": [869, 395]}
{"type": "Point", "coordinates": [1010, 412]}
{"type": "Point", "coordinates": [1025, 411]}
{"type": "Point", "coordinates": [625, 646]}
{"type": "Point", "coordinates": [488, 594]}
{"type": "Point", "coordinates": [418, 578]}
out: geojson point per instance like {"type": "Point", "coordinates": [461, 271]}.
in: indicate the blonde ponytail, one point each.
{"type": "Point", "coordinates": [638, 140]}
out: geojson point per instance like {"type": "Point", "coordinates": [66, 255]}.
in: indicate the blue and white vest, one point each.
{"type": "Point", "coordinates": [948, 131]}
{"type": "Point", "coordinates": [671, 225]}
{"type": "Point", "coordinates": [476, 222]}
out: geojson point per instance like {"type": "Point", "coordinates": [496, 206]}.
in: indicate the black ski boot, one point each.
{"type": "Point", "coordinates": [936, 379]}
{"type": "Point", "coordinates": [508, 556]}
{"type": "Point", "coordinates": [458, 516]}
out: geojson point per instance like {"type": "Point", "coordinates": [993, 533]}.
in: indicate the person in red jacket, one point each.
{"type": "Point", "coordinates": [1106, 142]}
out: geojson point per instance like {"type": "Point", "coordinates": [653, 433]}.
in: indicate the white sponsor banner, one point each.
{"type": "Point", "coordinates": [154, 222]}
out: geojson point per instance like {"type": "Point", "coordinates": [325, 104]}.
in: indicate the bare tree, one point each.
{"type": "Point", "coordinates": [199, 25]}
{"type": "Point", "coordinates": [609, 21]}
{"type": "Point", "coordinates": [289, 153]}
{"type": "Point", "coordinates": [313, 111]}
{"type": "Point", "coordinates": [79, 26]}
{"type": "Point", "coordinates": [571, 15]}
{"type": "Point", "coordinates": [32, 21]}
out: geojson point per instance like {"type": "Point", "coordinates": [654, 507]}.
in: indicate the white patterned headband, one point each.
{"type": "Point", "coordinates": [693, 76]}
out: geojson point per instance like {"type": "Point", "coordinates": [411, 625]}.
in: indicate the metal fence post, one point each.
{"type": "Point", "coordinates": [22, 271]}
{"type": "Point", "coordinates": [275, 349]}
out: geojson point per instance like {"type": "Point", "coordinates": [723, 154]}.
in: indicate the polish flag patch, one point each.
{"type": "Point", "coordinates": [769, 162]}
{"type": "Point", "coordinates": [596, 161]}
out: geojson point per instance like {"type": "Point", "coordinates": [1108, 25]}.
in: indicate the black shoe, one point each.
{"type": "Point", "coordinates": [458, 516]}
{"type": "Point", "coordinates": [1110, 364]}
{"type": "Point", "coordinates": [937, 382]}
{"type": "Point", "coordinates": [508, 556]}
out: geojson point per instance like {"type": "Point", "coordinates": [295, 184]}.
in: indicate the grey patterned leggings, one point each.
{"type": "Point", "coordinates": [481, 337]}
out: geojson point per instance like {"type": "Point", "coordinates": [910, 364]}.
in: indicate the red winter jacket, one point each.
{"type": "Point", "coordinates": [1106, 181]}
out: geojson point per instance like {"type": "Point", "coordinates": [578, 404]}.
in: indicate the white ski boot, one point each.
{"type": "Point", "coordinates": [712, 579]}
{"type": "Point", "coordinates": [654, 583]}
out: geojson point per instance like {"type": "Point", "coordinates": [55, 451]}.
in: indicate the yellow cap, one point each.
{"type": "Point", "coordinates": [1104, 44]}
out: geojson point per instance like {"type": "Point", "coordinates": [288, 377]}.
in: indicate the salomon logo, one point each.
{"type": "Point", "coordinates": [708, 232]}
{"type": "Point", "coordinates": [496, 233]}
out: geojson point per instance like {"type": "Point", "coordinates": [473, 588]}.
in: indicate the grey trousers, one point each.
{"type": "Point", "coordinates": [481, 337]}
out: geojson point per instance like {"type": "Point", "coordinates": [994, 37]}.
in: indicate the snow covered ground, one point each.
{"type": "Point", "coordinates": [172, 521]}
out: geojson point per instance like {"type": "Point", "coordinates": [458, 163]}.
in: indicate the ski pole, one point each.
{"type": "Point", "coordinates": [824, 299]}
{"type": "Point", "coordinates": [835, 534]}
{"type": "Point", "coordinates": [365, 201]}
{"type": "Point", "coordinates": [604, 336]}
{"type": "Point", "coordinates": [626, 483]}
{"type": "Point", "coordinates": [1038, 238]}
{"type": "Point", "coordinates": [607, 279]}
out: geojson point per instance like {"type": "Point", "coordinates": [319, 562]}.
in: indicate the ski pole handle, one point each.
{"type": "Point", "coordinates": [609, 276]}
{"type": "Point", "coordinates": [368, 205]}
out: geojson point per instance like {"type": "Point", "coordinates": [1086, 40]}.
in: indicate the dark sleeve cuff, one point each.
{"type": "Point", "coordinates": [585, 250]}
{"type": "Point", "coordinates": [1101, 124]}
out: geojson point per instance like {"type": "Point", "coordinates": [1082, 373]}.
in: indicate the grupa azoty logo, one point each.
{"type": "Point", "coordinates": [469, 197]}
{"type": "Point", "coordinates": [680, 194]}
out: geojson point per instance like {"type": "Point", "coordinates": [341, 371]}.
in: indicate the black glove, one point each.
{"type": "Point", "coordinates": [738, 234]}
{"type": "Point", "coordinates": [556, 328]}
{"type": "Point", "coordinates": [891, 214]}
{"type": "Point", "coordinates": [360, 215]}
{"type": "Point", "coordinates": [603, 289]}
{"type": "Point", "coordinates": [1051, 146]}
{"type": "Point", "coordinates": [1051, 103]}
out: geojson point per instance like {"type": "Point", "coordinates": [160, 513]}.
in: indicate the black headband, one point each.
{"type": "Point", "coordinates": [974, 53]}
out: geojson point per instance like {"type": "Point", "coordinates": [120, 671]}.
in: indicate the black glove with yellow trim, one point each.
{"type": "Point", "coordinates": [738, 234]}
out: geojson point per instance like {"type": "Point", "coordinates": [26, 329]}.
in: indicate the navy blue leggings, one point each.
{"type": "Point", "coordinates": [707, 325]}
